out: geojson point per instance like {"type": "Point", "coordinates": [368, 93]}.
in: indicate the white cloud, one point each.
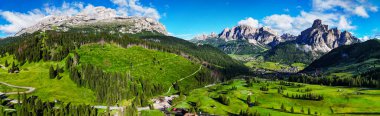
{"type": "Point", "coordinates": [283, 23]}
{"type": "Point", "coordinates": [335, 13]}
{"type": "Point", "coordinates": [249, 22]}
{"type": "Point", "coordinates": [323, 5]}
{"type": "Point", "coordinates": [67, 9]}
{"type": "Point", "coordinates": [18, 21]}
{"type": "Point", "coordinates": [355, 7]}
{"type": "Point", "coordinates": [344, 24]}
{"type": "Point", "coordinates": [365, 38]}
{"type": "Point", "coordinates": [360, 11]}
{"type": "Point", "coordinates": [280, 23]}
{"type": "Point", "coordinates": [373, 8]}
{"type": "Point", "coordinates": [134, 8]}
{"type": "Point", "coordinates": [120, 2]}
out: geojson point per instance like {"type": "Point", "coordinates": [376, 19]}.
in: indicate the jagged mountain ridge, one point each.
{"type": "Point", "coordinates": [100, 17]}
{"type": "Point", "coordinates": [310, 44]}
{"type": "Point", "coordinates": [322, 39]}
{"type": "Point", "coordinates": [255, 36]}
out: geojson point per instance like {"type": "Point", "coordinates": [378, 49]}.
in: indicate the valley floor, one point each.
{"type": "Point", "coordinates": [336, 100]}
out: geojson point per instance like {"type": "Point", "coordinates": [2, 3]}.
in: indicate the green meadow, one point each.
{"type": "Point", "coordinates": [337, 100]}
{"type": "Point", "coordinates": [37, 75]}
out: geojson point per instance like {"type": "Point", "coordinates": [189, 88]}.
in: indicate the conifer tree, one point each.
{"type": "Point", "coordinates": [52, 74]}
{"type": "Point", "coordinates": [283, 108]}
{"type": "Point", "coordinates": [292, 109]}
{"type": "Point", "coordinates": [6, 63]}
{"type": "Point", "coordinates": [249, 100]}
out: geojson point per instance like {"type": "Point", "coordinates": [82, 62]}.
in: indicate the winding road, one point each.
{"type": "Point", "coordinates": [30, 89]}
{"type": "Point", "coordinates": [200, 67]}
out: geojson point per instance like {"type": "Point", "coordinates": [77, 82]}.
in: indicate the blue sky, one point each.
{"type": "Point", "coordinates": [187, 18]}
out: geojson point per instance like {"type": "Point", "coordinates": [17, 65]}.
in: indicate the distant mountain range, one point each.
{"type": "Point", "coordinates": [256, 36]}
{"type": "Point", "coordinates": [100, 20]}
{"type": "Point", "coordinates": [306, 47]}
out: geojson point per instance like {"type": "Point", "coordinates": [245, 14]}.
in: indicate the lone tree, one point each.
{"type": "Point", "coordinates": [283, 108]}
{"type": "Point", "coordinates": [249, 101]}
{"type": "Point", "coordinates": [52, 72]}
{"type": "Point", "coordinates": [292, 109]}
{"type": "Point", "coordinates": [6, 63]}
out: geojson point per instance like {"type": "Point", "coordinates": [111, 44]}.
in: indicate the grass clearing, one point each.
{"type": "Point", "coordinates": [337, 100]}
{"type": "Point", "coordinates": [152, 113]}
{"type": "Point", "coordinates": [37, 75]}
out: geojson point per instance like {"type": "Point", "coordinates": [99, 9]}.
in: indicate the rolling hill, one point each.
{"type": "Point", "coordinates": [354, 59]}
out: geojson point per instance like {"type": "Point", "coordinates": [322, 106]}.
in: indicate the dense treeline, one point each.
{"type": "Point", "coordinates": [110, 88]}
{"type": "Point", "coordinates": [306, 96]}
{"type": "Point", "coordinates": [33, 106]}
{"type": "Point", "coordinates": [369, 79]}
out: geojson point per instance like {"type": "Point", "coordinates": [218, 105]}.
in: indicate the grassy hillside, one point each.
{"type": "Point", "coordinates": [212, 56]}
{"type": "Point", "coordinates": [141, 63]}
{"type": "Point", "coordinates": [337, 100]}
{"type": "Point", "coordinates": [37, 75]}
{"type": "Point", "coordinates": [353, 59]}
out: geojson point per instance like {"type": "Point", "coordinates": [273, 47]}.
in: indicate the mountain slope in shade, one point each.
{"type": "Point", "coordinates": [311, 44]}
{"type": "Point", "coordinates": [355, 59]}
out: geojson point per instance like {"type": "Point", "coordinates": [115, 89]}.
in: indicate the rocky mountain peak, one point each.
{"type": "Point", "coordinates": [322, 39]}
{"type": "Point", "coordinates": [206, 36]}
{"type": "Point", "coordinates": [317, 23]}
{"type": "Point", "coordinates": [98, 17]}
{"type": "Point", "coordinates": [256, 36]}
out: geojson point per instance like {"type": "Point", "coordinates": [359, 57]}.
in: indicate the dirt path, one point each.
{"type": "Point", "coordinates": [200, 67]}
{"type": "Point", "coordinates": [30, 89]}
